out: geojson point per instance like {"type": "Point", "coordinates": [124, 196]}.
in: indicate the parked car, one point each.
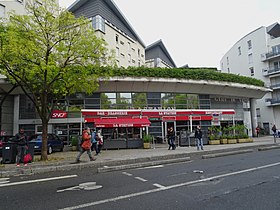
{"type": "Point", "coordinates": [54, 143]}
{"type": "Point", "coordinates": [4, 139]}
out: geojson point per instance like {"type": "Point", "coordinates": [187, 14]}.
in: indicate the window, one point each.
{"type": "Point", "coordinates": [276, 50]}
{"type": "Point", "coordinates": [138, 52]}
{"type": "Point", "coordinates": [239, 50]}
{"type": "Point", "coordinates": [2, 11]}
{"type": "Point", "coordinates": [276, 65]}
{"type": "Point", "coordinates": [117, 52]}
{"type": "Point", "coordinates": [258, 111]}
{"type": "Point", "coordinates": [129, 47]}
{"type": "Point", "coordinates": [98, 23]}
{"type": "Point", "coordinates": [250, 58]}
{"type": "Point", "coordinates": [117, 39]}
{"type": "Point", "coordinates": [129, 58]}
{"type": "Point", "coordinates": [252, 71]}
{"type": "Point", "coordinates": [228, 70]}
{"type": "Point", "coordinates": [227, 60]}
{"type": "Point", "coordinates": [249, 44]}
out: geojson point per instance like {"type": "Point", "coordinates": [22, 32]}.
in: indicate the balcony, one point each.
{"type": "Point", "coordinates": [275, 86]}
{"type": "Point", "coordinates": [269, 56]}
{"type": "Point", "coordinates": [272, 101]}
{"type": "Point", "coordinates": [268, 72]}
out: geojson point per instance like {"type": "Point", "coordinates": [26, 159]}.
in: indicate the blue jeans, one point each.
{"type": "Point", "coordinates": [199, 142]}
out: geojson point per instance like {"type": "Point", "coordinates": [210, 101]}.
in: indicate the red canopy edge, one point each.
{"type": "Point", "coordinates": [119, 122]}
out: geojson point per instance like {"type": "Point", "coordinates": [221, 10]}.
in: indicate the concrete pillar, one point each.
{"type": "Point", "coordinates": [16, 114]}
{"type": "Point", "coordinates": [253, 112]}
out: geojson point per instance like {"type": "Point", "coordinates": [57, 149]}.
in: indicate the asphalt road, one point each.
{"type": "Point", "coordinates": [245, 181]}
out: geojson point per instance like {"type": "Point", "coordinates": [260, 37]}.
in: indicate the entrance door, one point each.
{"type": "Point", "coordinates": [168, 125]}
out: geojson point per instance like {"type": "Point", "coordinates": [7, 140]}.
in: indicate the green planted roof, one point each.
{"type": "Point", "coordinates": [210, 74]}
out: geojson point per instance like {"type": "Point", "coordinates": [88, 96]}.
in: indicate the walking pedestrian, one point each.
{"type": "Point", "coordinates": [99, 138]}
{"type": "Point", "coordinates": [274, 130]}
{"type": "Point", "coordinates": [258, 131]}
{"type": "Point", "coordinates": [198, 137]}
{"type": "Point", "coordinates": [21, 141]}
{"type": "Point", "coordinates": [171, 138]}
{"type": "Point", "coordinates": [94, 142]}
{"type": "Point", "coordinates": [85, 145]}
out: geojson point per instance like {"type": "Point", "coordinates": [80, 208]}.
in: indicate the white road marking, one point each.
{"type": "Point", "coordinates": [4, 180]}
{"type": "Point", "coordinates": [141, 179]}
{"type": "Point", "coordinates": [158, 166]}
{"type": "Point", "coordinates": [38, 180]}
{"type": "Point", "coordinates": [125, 173]}
{"type": "Point", "coordinates": [159, 185]}
{"type": "Point", "coordinates": [122, 197]}
{"type": "Point", "coordinates": [83, 186]}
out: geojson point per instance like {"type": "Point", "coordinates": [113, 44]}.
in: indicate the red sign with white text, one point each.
{"type": "Point", "coordinates": [59, 114]}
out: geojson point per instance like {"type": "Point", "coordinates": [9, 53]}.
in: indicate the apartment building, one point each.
{"type": "Point", "coordinates": [17, 6]}
{"type": "Point", "coordinates": [112, 26]}
{"type": "Point", "coordinates": [257, 55]}
{"type": "Point", "coordinates": [158, 56]}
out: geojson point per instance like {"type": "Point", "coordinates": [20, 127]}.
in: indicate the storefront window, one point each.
{"type": "Point", "coordinates": [76, 102]}
{"type": "Point", "coordinates": [108, 101]}
{"type": "Point", "coordinates": [193, 101]}
{"type": "Point", "coordinates": [139, 100]}
{"type": "Point", "coordinates": [124, 100]}
{"type": "Point", "coordinates": [92, 101]}
{"type": "Point", "coordinates": [27, 108]}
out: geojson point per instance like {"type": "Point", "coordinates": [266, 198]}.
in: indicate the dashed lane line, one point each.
{"type": "Point", "coordinates": [122, 197]}
{"type": "Point", "coordinates": [141, 179]}
{"type": "Point", "coordinates": [127, 174]}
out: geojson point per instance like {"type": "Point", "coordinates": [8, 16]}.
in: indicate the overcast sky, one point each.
{"type": "Point", "coordinates": [196, 32]}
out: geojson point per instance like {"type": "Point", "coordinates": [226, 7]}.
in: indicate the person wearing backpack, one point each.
{"type": "Point", "coordinates": [94, 142]}
{"type": "Point", "coordinates": [85, 145]}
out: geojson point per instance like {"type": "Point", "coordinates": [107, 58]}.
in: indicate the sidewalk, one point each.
{"type": "Point", "coordinates": [132, 158]}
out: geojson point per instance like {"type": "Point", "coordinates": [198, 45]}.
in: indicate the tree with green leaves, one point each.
{"type": "Point", "coordinates": [51, 54]}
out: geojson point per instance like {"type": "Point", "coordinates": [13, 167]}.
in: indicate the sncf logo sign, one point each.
{"type": "Point", "coordinates": [59, 114]}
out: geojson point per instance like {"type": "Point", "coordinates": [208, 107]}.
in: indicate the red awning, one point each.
{"type": "Point", "coordinates": [119, 122]}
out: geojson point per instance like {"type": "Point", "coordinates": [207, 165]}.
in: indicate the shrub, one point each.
{"type": "Point", "coordinates": [147, 138]}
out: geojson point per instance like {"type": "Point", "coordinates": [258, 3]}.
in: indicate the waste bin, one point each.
{"type": "Point", "coordinates": [9, 152]}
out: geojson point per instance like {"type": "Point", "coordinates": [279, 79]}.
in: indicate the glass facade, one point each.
{"type": "Point", "coordinates": [73, 104]}
{"type": "Point", "coordinates": [98, 23]}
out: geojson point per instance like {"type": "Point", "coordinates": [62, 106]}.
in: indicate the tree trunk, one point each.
{"type": "Point", "coordinates": [44, 151]}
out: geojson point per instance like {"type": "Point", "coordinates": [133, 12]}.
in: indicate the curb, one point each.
{"type": "Point", "coordinates": [226, 153]}
{"type": "Point", "coordinates": [269, 148]}
{"type": "Point", "coordinates": [143, 164]}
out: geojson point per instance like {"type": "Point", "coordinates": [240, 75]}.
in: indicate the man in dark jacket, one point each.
{"type": "Point", "coordinates": [198, 137]}
{"type": "Point", "coordinates": [20, 139]}
{"type": "Point", "coordinates": [171, 138]}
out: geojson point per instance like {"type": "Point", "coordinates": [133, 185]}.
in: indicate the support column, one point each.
{"type": "Point", "coordinates": [253, 112]}
{"type": "Point", "coordinates": [16, 114]}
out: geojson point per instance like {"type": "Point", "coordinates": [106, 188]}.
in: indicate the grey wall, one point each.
{"type": "Point", "coordinates": [156, 52]}
{"type": "Point", "coordinates": [102, 8]}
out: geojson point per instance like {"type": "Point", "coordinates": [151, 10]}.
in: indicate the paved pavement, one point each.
{"type": "Point", "coordinates": [110, 160]}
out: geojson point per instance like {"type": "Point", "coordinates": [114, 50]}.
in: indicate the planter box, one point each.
{"type": "Point", "coordinates": [224, 141]}
{"type": "Point", "coordinates": [146, 145]}
{"type": "Point", "coordinates": [134, 143]}
{"type": "Point", "coordinates": [114, 144]}
{"type": "Point", "coordinates": [242, 140]}
{"type": "Point", "coordinates": [250, 140]}
{"type": "Point", "coordinates": [214, 142]}
{"type": "Point", "coordinates": [74, 148]}
{"type": "Point", "coordinates": [232, 141]}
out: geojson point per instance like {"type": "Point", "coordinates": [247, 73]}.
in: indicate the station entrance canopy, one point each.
{"type": "Point", "coordinates": [142, 117]}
